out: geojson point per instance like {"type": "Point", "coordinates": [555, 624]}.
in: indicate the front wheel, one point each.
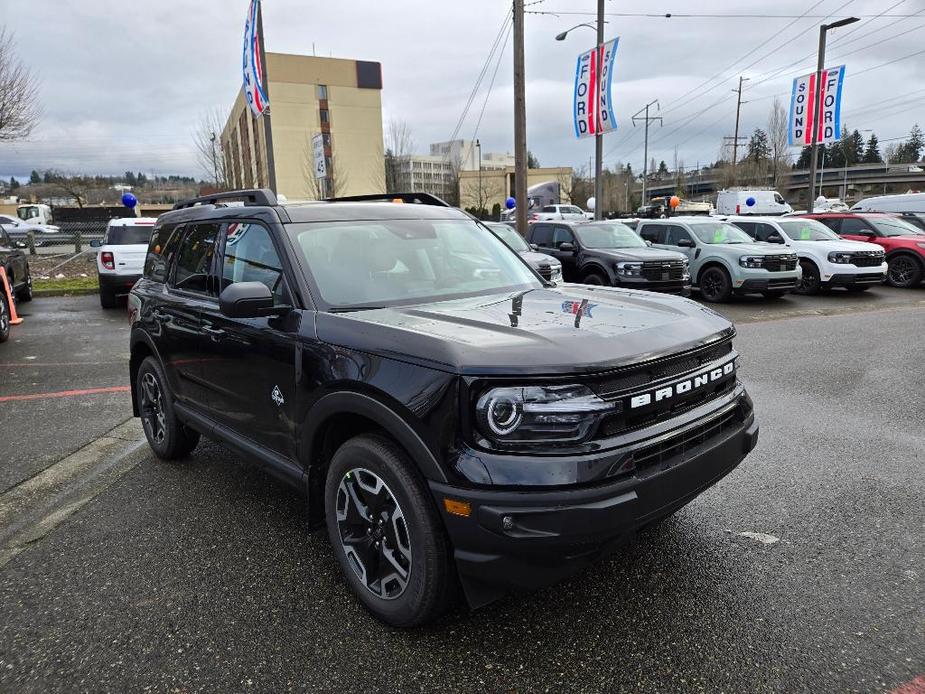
{"type": "Point", "coordinates": [24, 295]}
{"type": "Point", "coordinates": [168, 437]}
{"type": "Point", "coordinates": [810, 281]}
{"type": "Point", "coordinates": [594, 279]}
{"type": "Point", "coordinates": [4, 319]}
{"type": "Point", "coordinates": [715, 285]}
{"type": "Point", "coordinates": [386, 534]}
{"type": "Point", "coordinates": [904, 271]}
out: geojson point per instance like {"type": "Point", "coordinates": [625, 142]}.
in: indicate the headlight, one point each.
{"type": "Point", "coordinates": [539, 414]}
{"type": "Point", "coordinates": [753, 261]}
{"type": "Point", "coordinates": [629, 269]}
{"type": "Point", "coordinates": [555, 273]}
{"type": "Point", "coordinates": [840, 257]}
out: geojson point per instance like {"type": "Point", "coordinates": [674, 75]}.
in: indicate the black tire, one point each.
{"type": "Point", "coordinates": [595, 279]}
{"type": "Point", "coordinates": [24, 295]}
{"type": "Point", "coordinates": [811, 281]}
{"type": "Point", "coordinates": [107, 298]}
{"type": "Point", "coordinates": [400, 519]}
{"type": "Point", "coordinates": [4, 319]}
{"type": "Point", "coordinates": [904, 271]}
{"type": "Point", "coordinates": [776, 294]}
{"type": "Point", "coordinates": [715, 284]}
{"type": "Point", "coordinates": [168, 437]}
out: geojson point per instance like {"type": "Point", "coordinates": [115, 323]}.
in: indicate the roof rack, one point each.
{"type": "Point", "coordinates": [253, 196]}
{"type": "Point", "coordinates": [413, 198]}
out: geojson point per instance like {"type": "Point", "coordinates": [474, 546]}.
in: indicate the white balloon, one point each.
{"type": "Point", "coordinates": [591, 203]}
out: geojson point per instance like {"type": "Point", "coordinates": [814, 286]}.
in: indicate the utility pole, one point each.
{"type": "Point", "coordinates": [214, 160]}
{"type": "Point", "coordinates": [817, 104]}
{"type": "Point", "coordinates": [735, 137]}
{"type": "Point", "coordinates": [647, 119]}
{"type": "Point", "coordinates": [599, 136]}
{"type": "Point", "coordinates": [520, 121]}
{"type": "Point", "coordinates": [478, 146]}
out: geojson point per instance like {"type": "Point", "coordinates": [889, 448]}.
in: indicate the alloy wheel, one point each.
{"type": "Point", "coordinates": [152, 409]}
{"type": "Point", "coordinates": [4, 318]}
{"type": "Point", "coordinates": [711, 285]}
{"type": "Point", "coordinates": [808, 280]}
{"type": "Point", "coordinates": [902, 271]}
{"type": "Point", "coordinates": [373, 533]}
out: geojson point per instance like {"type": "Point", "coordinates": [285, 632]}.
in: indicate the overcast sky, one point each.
{"type": "Point", "coordinates": [124, 83]}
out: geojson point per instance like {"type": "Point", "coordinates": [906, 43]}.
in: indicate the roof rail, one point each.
{"type": "Point", "coordinates": [414, 198]}
{"type": "Point", "coordinates": [253, 196]}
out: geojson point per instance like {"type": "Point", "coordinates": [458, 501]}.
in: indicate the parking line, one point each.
{"type": "Point", "coordinates": [916, 686]}
{"type": "Point", "coordinates": [65, 393]}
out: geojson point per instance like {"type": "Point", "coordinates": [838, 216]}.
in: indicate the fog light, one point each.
{"type": "Point", "coordinates": [507, 523]}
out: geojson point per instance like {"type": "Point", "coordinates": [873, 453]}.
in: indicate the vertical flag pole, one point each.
{"type": "Point", "coordinates": [267, 129]}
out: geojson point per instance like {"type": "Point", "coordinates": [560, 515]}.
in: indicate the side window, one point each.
{"type": "Point", "coordinates": [194, 258]}
{"type": "Point", "coordinates": [562, 235]}
{"type": "Point", "coordinates": [833, 223]}
{"type": "Point", "coordinates": [163, 245]}
{"type": "Point", "coordinates": [250, 256]}
{"type": "Point", "coordinates": [549, 208]}
{"type": "Point", "coordinates": [748, 227]}
{"type": "Point", "coordinates": [542, 235]}
{"type": "Point", "coordinates": [852, 225]}
{"type": "Point", "coordinates": [651, 233]}
{"type": "Point", "coordinates": [763, 232]}
{"type": "Point", "coordinates": [674, 233]}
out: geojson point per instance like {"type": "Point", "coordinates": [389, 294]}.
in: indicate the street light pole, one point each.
{"type": "Point", "coordinates": [817, 104]}
{"type": "Point", "coordinates": [520, 121]}
{"type": "Point", "coordinates": [478, 146]}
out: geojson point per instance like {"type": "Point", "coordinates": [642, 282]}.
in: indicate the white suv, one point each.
{"type": "Point", "coordinates": [558, 212]}
{"type": "Point", "coordinates": [120, 259]}
{"type": "Point", "coordinates": [827, 259]}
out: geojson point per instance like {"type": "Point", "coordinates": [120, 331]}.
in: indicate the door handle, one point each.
{"type": "Point", "coordinates": [215, 333]}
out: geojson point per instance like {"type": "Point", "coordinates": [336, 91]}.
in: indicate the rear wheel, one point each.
{"type": "Point", "coordinates": [715, 285]}
{"type": "Point", "coordinates": [386, 533]}
{"type": "Point", "coordinates": [810, 281]}
{"type": "Point", "coordinates": [4, 319]}
{"type": "Point", "coordinates": [107, 298]}
{"type": "Point", "coordinates": [168, 437]}
{"type": "Point", "coordinates": [24, 295]}
{"type": "Point", "coordinates": [904, 271]}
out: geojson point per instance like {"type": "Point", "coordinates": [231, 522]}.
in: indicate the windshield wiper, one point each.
{"type": "Point", "coordinates": [351, 309]}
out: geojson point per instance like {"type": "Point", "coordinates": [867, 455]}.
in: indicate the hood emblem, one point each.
{"type": "Point", "coordinates": [277, 396]}
{"type": "Point", "coordinates": [578, 308]}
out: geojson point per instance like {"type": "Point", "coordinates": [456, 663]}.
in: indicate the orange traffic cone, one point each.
{"type": "Point", "coordinates": [14, 318]}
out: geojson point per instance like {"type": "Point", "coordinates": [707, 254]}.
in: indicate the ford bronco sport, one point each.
{"type": "Point", "coordinates": [454, 420]}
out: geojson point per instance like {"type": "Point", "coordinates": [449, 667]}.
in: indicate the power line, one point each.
{"type": "Point", "coordinates": [704, 15]}
{"type": "Point", "coordinates": [491, 84]}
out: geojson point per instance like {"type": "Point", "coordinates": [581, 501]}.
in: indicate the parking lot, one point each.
{"type": "Point", "coordinates": [129, 573]}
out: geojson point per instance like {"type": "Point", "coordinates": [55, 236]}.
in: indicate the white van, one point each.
{"type": "Point", "coordinates": [766, 202]}
{"type": "Point", "coordinates": [907, 202]}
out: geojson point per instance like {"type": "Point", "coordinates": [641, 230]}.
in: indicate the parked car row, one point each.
{"type": "Point", "coordinates": [16, 264]}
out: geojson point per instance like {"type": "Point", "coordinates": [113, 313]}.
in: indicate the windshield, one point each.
{"type": "Point", "coordinates": [379, 263]}
{"type": "Point", "coordinates": [893, 227]}
{"type": "Point", "coordinates": [720, 232]}
{"type": "Point", "coordinates": [608, 236]}
{"type": "Point", "coordinates": [135, 234]}
{"type": "Point", "coordinates": [510, 237]}
{"type": "Point", "coordinates": [27, 213]}
{"type": "Point", "coordinates": [808, 230]}
{"type": "Point", "coordinates": [566, 209]}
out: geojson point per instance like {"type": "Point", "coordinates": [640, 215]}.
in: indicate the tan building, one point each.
{"type": "Point", "coordinates": [497, 185]}
{"type": "Point", "coordinates": [339, 99]}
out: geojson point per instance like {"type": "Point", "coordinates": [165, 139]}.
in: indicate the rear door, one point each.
{"type": "Point", "coordinates": [672, 235]}
{"type": "Point", "coordinates": [249, 364]}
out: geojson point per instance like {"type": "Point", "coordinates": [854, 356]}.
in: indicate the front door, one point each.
{"type": "Point", "coordinates": [249, 364]}
{"type": "Point", "coordinates": [569, 259]}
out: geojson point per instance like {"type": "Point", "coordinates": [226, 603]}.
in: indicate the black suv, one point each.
{"type": "Point", "coordinates": [454, 419]}
{"type": "Point", "coordinates": [16, 264]}
{"type": "Point", "coordinates": [610, 253]}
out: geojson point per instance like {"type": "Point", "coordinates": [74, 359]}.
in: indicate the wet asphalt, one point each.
{"type": "Point", "coordinates": [201, 575]}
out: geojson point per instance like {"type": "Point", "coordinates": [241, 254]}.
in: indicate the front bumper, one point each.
{"type": "Point", "coordinates": [854, 280]}
{"type": "Point", "coordinates": [679, 287]}
{"type": "Point", "coordinates": [515, 539]}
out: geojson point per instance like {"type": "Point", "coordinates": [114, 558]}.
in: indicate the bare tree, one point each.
{"type": "Point", "coordinates": [333, 185]}
{"type": "Point", "coordinates": [210, 156]}
{"type": "Point", "coordinates": [481, 195]}
{"type": "Point", "coordinates": [777, 139]}
{"type": "Point", "coordinates": [399, 145]}
{"type": "Point", "coordinates": [19, 93]}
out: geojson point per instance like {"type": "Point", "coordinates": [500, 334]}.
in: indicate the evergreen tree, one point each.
{"type": "Point", "coordinates": [805, 159]}
{"type": "Point", "coordinates": [532, 161]}
{"type": "Point", "coordinates": [759, 149]}
{"type": "Point", "coordinates": [129, 179]}
{"type": "Point", "coordinates": [35, 177]}
{"type": "Point", "coordinates": [872, 153]}
{"type": "Point", "coordinates": [915, 144]}
{"type": "Point", "coordinates": [662, 169]}
{"type": "Point", "coordinates": [855, 148]}
{"type": "Point", "coordinates": [14, 184]}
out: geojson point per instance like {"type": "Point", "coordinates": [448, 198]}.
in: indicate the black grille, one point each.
{"type": "Point", "coordinates": [545, 271]}
{"type": "Point", "coordinates": [675, 446]}
{"type": "Point", "coordinates": [663, 271]}
{"type": "Point", "coordinates": [779, 263]}
{"type": "Point", "coordinates": [610, 385]}
{"type": "Point", "coordinates": [862, 259]}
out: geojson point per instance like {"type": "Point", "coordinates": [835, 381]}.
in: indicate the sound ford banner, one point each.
{"type": "Point", "coordinates": [592, 107]}
{"type": "Point", "coordinates": [803, 101]}
{"type": "Point", "coordinates": [255, 88]}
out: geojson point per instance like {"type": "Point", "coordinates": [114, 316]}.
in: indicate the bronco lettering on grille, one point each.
{"type": "Point", "coordinates": [682, 387]}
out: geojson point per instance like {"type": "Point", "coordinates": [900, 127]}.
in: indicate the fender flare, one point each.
{"type": "Point", "coordinates": [140, 336]}
{"type": "Point", "coordinates": [905, 251]}
{"type": "Point", "coordinates": [713, 261]}
{"type": "Point", "coordinates": [351, 402]}
{"type": "Point", "coordinates": [595, 266]}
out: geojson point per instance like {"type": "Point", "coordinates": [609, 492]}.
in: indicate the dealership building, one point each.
{"type": "Point", "coordinates": [338, 99]}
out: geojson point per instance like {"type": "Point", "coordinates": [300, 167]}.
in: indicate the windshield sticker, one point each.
{"type": "Point", "coordinates": [806, 234]}
{"type": "Point", "coordinates": [719, 236]}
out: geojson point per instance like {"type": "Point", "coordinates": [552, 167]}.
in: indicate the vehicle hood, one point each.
{"type": "Point", "coordinates": [833, 245]}
{"type": "Point", "coordinates": [640, 254]}
{"type": "Point", "coordinates": [750, 248]}
{"type": "Point", "coordinates": [541, 331]}
{"type": "Point", "coordinates": [535, 259]}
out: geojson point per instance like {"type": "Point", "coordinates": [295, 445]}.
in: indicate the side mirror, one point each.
{"type": "Point", "coordinates": [685, 243]}
{"type": "Point", "coordinates": [534, 247]}
{"type": "Point", "coordinates": [775, 238]}
{"type": "Point", "coordinates": [96, 243]}
{"type": "Point", "coordinates": [248, 300]}
{"type": "Point", "coordinates": [567, 247]}
{"type": "Point", "coordinates": [648, 243]}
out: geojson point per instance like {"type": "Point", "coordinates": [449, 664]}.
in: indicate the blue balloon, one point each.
{"type": "Point", "coordinates": [510, 203]}
{"type": "Point", "coordinates": [750, 201]}
{"type": "Point", "coordinates": [129, 200]}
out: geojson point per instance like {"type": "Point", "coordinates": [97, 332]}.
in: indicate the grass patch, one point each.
{"type": "Point", "coordinates": [66, 284]}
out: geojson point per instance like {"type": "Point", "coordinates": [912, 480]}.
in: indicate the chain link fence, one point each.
{"type": "Point", "coordinates": [69, 238]}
